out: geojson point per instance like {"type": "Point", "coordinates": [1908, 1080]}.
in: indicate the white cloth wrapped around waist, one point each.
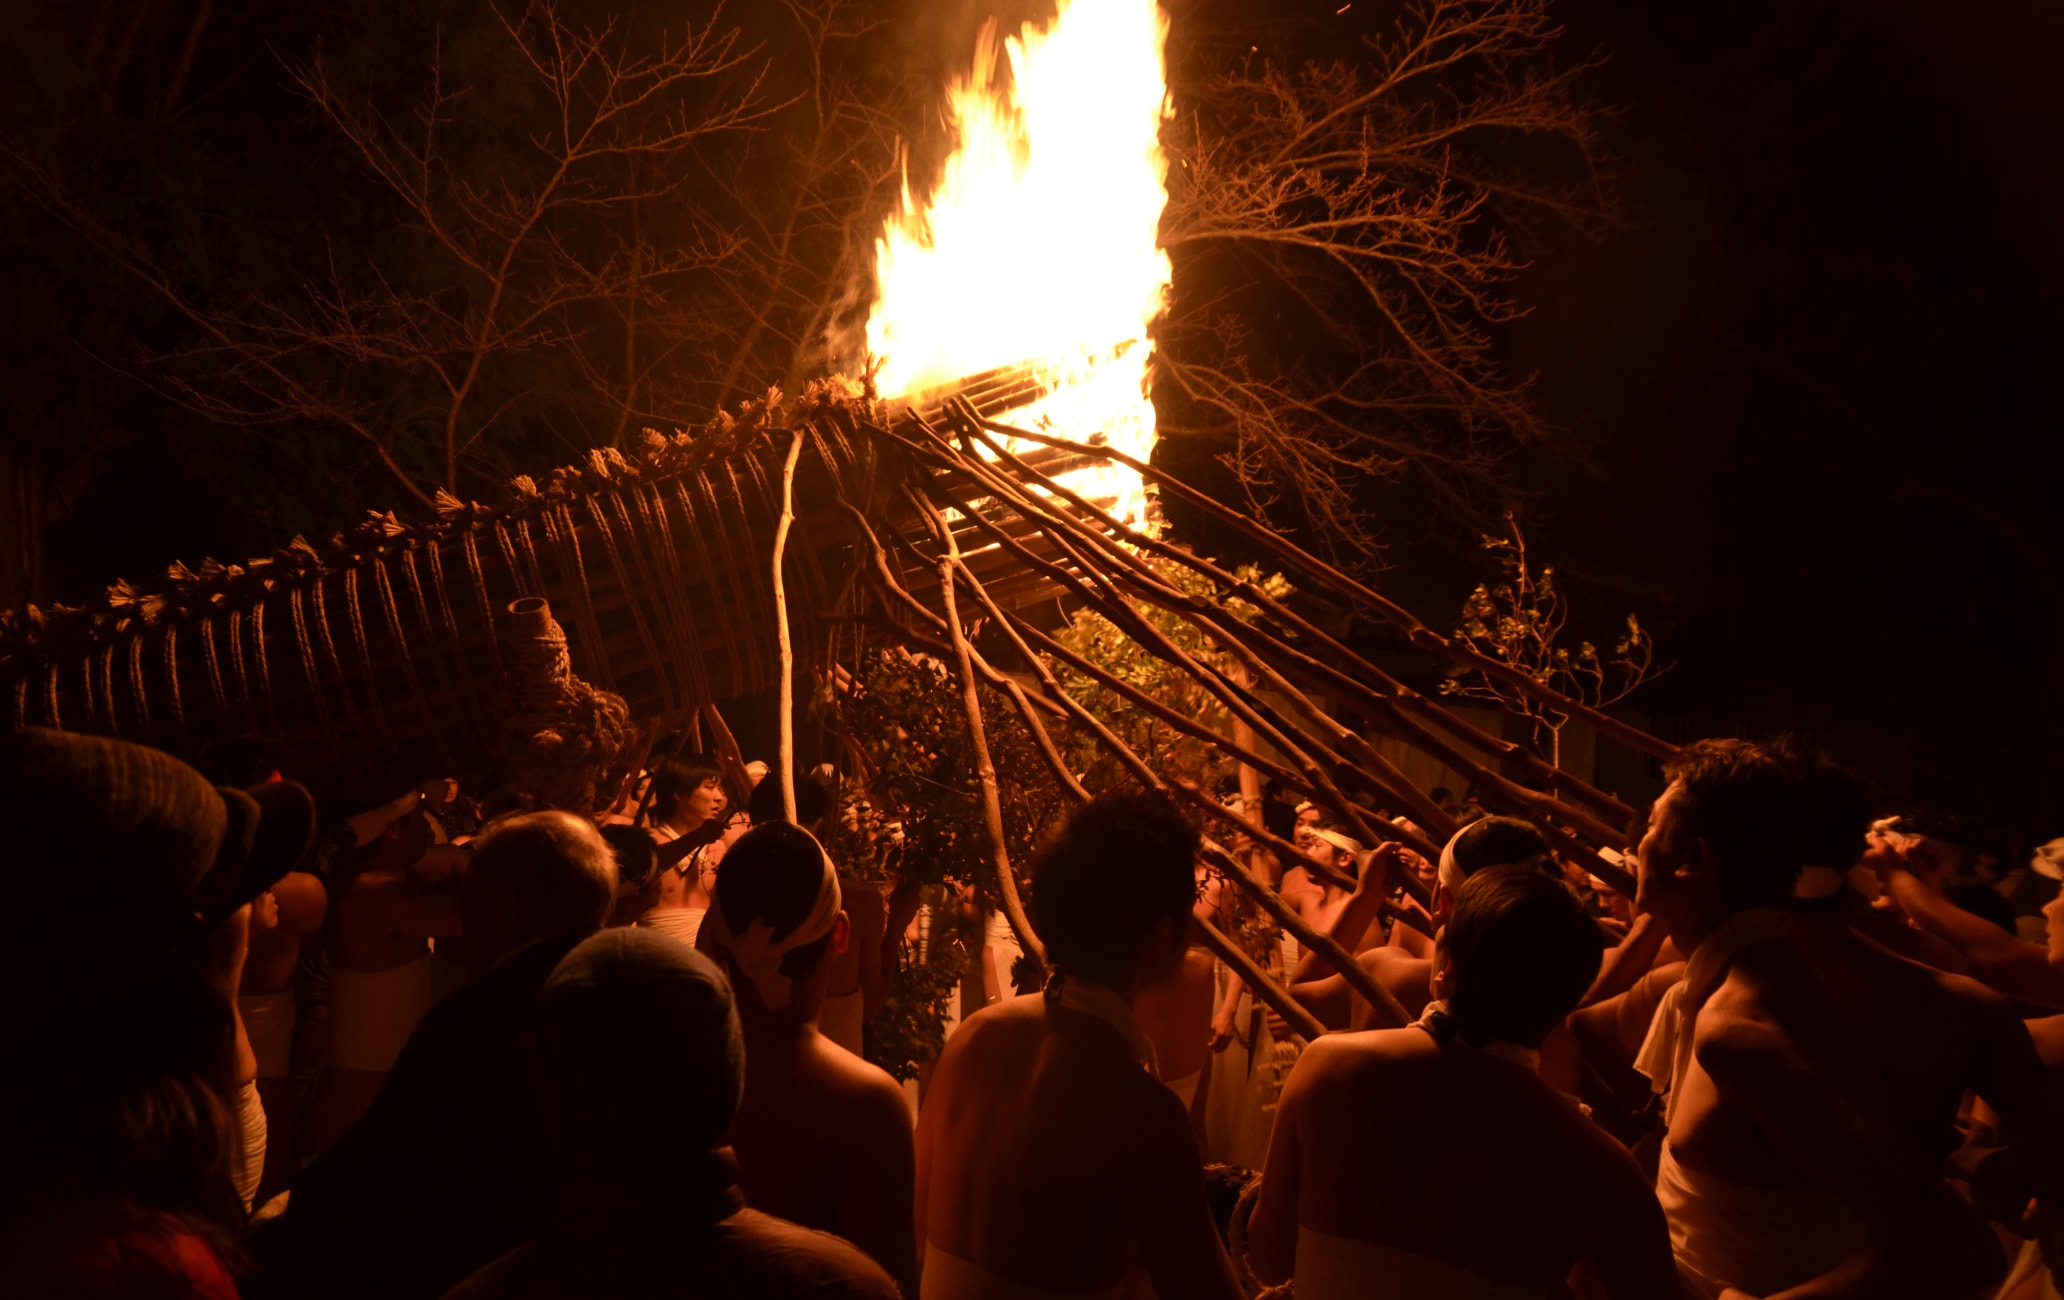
{"type": "Point", "coordinates": [949, 1277]}
{"type": "Point", "coordinates": [372, 1014]}
{"type": "Point", "coordinates": [1760, 1239]}
{"type": "Point", "coordinates": [269, 1024]}
{"type": "Point", "coordinates": [250, 1168]}
{"type": "Point", "coordinates": [682, 923]}
{"type": "Point", "coordinates": [1349, 1268]}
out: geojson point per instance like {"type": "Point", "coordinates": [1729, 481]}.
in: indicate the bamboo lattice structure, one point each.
{"type": "Point", "coordinates": [908, 526]}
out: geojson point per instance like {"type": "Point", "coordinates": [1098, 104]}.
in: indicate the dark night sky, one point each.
{"type": "Point", "coordinates": [1811, 369]}
{"type": "Point", "coordinates": [1814, 371]}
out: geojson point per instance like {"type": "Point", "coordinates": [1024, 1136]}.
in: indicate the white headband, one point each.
{"type": "Point", "coordinates": [1450, 873]}
{"type": "Point", "coordinates": [757, 954]}
{"type": "Point", "coordinates": [1345, 843]}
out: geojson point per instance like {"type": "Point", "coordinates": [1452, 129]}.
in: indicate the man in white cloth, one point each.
{"type": "Point", "coordinates": [1811, 1079]}
{"type": "Point", "coordinates": [822, 1137]}
{"type": "Point", "coordinates": [1512, 1186]}
{"type": "Point", "coordinates": [286, 925]}
{"type": "Point", "coordinates": [1050, 1160]}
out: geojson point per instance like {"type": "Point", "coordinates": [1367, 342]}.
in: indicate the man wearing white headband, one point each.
{"type": "Point", "coordinates": [1490, 842]}
{"type": "Point", "coordinates": [1318, 897]}
{"type": "Point", "coordinates": [822, 1137]}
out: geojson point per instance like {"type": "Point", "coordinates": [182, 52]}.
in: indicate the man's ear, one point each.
{"type": "Point", "coordinates": [1440, 985]}
{"type": "Point", "coordinates": [841, 933]}
{"type": "Point", "coordinates": [1698, 858]}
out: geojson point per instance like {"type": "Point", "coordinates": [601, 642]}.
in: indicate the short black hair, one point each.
{"type": "Point", "coordinates": [635, 852]}
{"type": "Point", "coordinates": [1524, 950]}
{"type": "Point", "coordinates": [1113, 871]}
{"type": "Point", "coordinates": [773, 874]}
{"type": "Point", "coordinates": [1745, 800]}
{"type": "Point", "coordinates": [1834, 812]}
{"type": "Point", "coordinates": [812, 801]}
{"type": "Point", "coordinates": [1501, 842]}
{"type": "Point", "coordinates": [676, 778]}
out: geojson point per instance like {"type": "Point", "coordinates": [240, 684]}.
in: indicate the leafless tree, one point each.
{"type": "Point", "coordinates": [599, 227]}
{"type": "Point", "coordinates": [1376, 197]}
{"type": "Point", "coordinates": [1519, 622]}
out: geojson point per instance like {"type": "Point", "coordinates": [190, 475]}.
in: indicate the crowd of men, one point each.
{"type": "Point", "coordinates": [258, 1047]}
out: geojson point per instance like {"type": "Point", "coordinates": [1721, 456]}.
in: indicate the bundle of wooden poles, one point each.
{"type": "Point", "coordinates": [700, 566]}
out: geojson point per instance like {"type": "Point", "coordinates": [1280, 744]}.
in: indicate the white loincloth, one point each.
{"type": "Point", "coordinates": [1185, 1088]}
{"type": "Point", "coordinates": [372, 1014]}
{"type": "Point", "coordinates": [1759, 1239]}
{"type": "Point", "coordinates": [269, 1024]}
{"type": "Point", "coordinates": [682, 923]}
{"type": "Point", "coordinates": [250, 1165]}
{"type": "Point", "coordinates": [841, 1018]}
{"type": "Point", "coordinates": [1348, 1268]}
{"type": "Point", "coordinates": [1002, 949]}
{"type": "Point", "coordinates": [949, 1277]}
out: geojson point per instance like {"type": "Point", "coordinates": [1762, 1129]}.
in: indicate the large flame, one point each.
{"type": "Point", "coordinates": [1040, 243]}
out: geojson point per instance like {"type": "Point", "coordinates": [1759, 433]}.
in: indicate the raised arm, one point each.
{"type": "Point", "coordinates": [2009, 964]}
{"type": "Point", "coordinates": [1634, 957]}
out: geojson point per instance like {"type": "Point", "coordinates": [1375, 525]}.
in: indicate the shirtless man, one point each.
{"type": "Point", "coordinates": [1514, 1185]}
{"type": "Point", "coordinates": [822, 1137]}
{"type": "Point", "coordinates": [688, 803]}
{"type": "Point", "coordinates": [1488, 842]}
{"type": "Point", "coordinates": [1811, 1079]}
{"type": "Point", "coordinates": [1050, 1161]}
{"type": "Point", "coordinates": [382, 920]}
{"type": "Point", "coordinates": [858, 985]}
{"type": "Point", "coordinates": [1318, 899]}
{"type": "Point", "coordinates": [286, 925]}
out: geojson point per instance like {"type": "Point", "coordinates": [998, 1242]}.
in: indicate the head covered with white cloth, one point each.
{"type": "Point", "coordinates": [776, 905]}
{"type": "Point", "coordinates": [1491, 842]}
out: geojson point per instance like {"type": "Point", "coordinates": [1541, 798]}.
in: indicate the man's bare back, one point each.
{"type": "Point", "coordinates": [1047, 1154]}
{"type": "Point", "coordinates": [1493, 1171]}
{"type": "Point", "coordinates": [813, 1117]}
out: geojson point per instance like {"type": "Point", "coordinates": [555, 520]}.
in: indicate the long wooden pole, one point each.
{"type": "Point", "coordinates": [1415, 631]}
{"type": "Point", "coordinates": [788, 765]}
{"type": "Point", "coordinates": [985, 767]}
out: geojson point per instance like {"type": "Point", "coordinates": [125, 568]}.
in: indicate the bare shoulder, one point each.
{"type": "Point", "coordinates": [1341, 1055]}
{"type": "Point", "coordinates": [859, 1083]}
{"type": "Point", "coordinates": [302, 901]}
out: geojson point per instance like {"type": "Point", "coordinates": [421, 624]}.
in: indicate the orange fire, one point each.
{"type": "Point", "coordinates": [1039, 245]}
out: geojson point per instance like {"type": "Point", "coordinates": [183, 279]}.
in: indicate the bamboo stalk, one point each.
{"type": "Point", "coordinates": [788, 767]}
{"type": "Point", "coordinates": [1399, 694]}
{"type": "Point", "coordinates": [1342, 960]}
{"type": "Point", "coordinates": [1415, 631]}
{"type": "Point", "coordinates": [985, 767]}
